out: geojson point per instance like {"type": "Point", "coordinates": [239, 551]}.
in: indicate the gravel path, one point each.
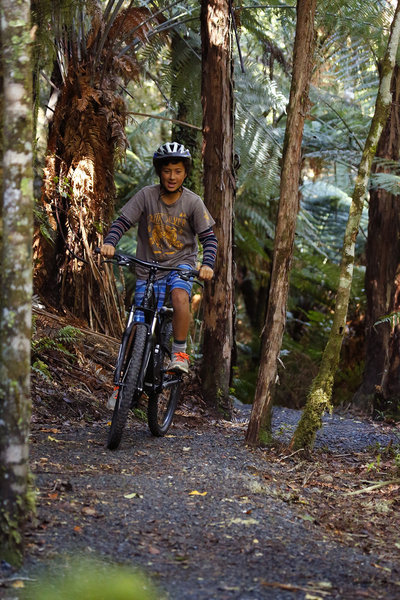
{"type": "Point", "coordinates": [339, 433]}
{"type": "Point", "coordinates": [202, 514]}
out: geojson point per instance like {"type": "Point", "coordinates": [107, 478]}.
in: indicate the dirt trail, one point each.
{"type": "Point", "coordinates": [208, 518]}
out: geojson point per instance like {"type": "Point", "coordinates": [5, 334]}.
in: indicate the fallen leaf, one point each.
{"type": "Point", "coordinates": [196, 493]}
{"type": "Point", "coordinates": [89, 511]}
{"type": "Point", "coordinates": [18, 584]}
{"type": "Point", "coordinates": [307, 517]}
{"type": "Point", "coordinates": [53, 439]}
{"type": "Point", "coordinates": [133, 495]}
{"type": "Point", "coordinates": [381, 567]}
{"type": "Point", "coordinates": [181, 557]}
{"type": "Point", "coordinates": [243, 522]}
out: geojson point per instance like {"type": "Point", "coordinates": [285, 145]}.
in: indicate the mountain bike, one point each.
{"type": "Point", "coordinates": [143, 356]}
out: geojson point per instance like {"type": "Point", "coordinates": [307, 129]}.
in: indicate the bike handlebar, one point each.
{"type": "Point", "coordinates": [128, 259]}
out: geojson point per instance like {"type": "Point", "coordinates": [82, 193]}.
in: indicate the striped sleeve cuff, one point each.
{"type": "Point", "coordinates": [210, 244]}
{"type": "Point", "coordinates": [117, 230]}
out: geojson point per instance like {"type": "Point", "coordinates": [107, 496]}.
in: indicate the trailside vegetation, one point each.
{"type": "Point", "coordinates": [259, 428]}
{"type": "Point", "coordinates": [94, 57]}
{"type": "Point", "coordinates": [380, 387]}
{"type": "Point", "coordinates": [319, 398]}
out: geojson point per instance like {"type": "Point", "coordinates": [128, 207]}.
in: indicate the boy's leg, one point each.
{"type": "Point", "coordinates": [180, 297]}
{"type": "Point", "coordinates": [181, 316]}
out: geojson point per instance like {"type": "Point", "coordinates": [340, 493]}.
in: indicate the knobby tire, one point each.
{"type": "Point", "coordinates": [161, 405]}
{"type": "Point", "coordinates": [127, 390]}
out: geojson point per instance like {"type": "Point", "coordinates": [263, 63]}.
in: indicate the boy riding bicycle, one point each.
{"type": "Point", "coordinates": [169, 218]}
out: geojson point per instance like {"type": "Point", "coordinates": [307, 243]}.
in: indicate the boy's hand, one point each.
{"type": "Point", "coordinates": [206, 273]}
{"type": "Point", "coordinates": [107, 250]}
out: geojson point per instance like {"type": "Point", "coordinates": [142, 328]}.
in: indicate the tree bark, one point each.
{"type": "Point", "coordinates": [16, 277]}
{"type": "Point", "coordinates": [259, 427]}
{"type": "Point", "coordinates": [381, 382]}
{"type": "Point", "coordinates": [319, 398]}
{"type": "Point", "coordinates": [78, 197]}
{"type": "Point", "coordinates": [219, 195]}
{"type": "Point", "coordinates": [86, 137]}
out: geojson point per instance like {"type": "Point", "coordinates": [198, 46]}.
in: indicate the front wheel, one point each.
{"type": "Point", "coordinates": [163, 401]}
{"type": "Point", "coordinates": [128, 386]}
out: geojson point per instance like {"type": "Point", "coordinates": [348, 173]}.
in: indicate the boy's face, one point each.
{"type": "Point", "coordinates": [172, 176]}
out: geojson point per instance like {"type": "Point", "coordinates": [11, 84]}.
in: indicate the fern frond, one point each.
{"type": "Point", "coordinates": [69, 334]}
{"type": "Point", "coordinates": [392, 318]}
{"type": "Point", "coordinates": [386, 181]}
{"type": "Point", "coordinates": [42, 369]}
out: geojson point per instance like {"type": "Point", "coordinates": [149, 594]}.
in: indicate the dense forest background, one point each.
{"type": "Point", "coordinates": [162, 99]}
{"type": "Point", "coordinates": [99, 85]}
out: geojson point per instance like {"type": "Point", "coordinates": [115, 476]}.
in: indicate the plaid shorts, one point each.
{"type": "Point", "coordinates": [171, 281]}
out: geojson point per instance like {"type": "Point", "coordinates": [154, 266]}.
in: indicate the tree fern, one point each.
{"type": "Point", "coordinates": [58, 342]}
{"type": "Point", "coordinates": [393, 319]}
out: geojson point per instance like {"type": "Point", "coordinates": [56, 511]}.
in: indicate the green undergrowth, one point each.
{"type": "Point", "coordinates": [86, 579]}
{"type": "Point", "coordinates": [60, 341]}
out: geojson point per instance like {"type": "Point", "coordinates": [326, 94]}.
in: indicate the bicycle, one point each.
{"type": "Point", "coordinates": [143, 355]}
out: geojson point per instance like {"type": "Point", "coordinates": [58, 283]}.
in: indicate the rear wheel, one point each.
{"type": "Point", "coordinates": [127, 390]}
{"type": "Point", "coordinates": [162, 403]}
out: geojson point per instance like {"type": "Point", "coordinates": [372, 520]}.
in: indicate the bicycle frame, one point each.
{"type": "Point", "coordinates": [142, 363]}
{"type": "Point", "coordinates": [153, 321]}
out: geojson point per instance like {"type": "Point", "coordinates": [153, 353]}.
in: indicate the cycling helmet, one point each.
{"type": "Point", "coordinates": [171, 150]}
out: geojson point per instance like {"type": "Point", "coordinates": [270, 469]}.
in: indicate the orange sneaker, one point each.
{"type": "Point", "coordinates": [179, 362]}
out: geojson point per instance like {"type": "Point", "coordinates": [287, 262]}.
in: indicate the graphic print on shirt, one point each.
{"type": "Point", "coordinates": [165, 232]}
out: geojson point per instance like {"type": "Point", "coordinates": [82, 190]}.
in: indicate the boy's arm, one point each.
{"type": "Point", "coordinates": [209, 242]}
{"type": "Point", "coordinates": [117, 230]}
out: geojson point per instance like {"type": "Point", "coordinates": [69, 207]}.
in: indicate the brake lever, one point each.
{"type": "Point", "coordinates": [191, 278]}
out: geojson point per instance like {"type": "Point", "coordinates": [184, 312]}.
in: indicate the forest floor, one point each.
{"type": "Point", "coordinates": [201, 514]}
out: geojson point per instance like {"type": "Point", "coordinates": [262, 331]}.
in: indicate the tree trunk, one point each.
{"type": "Point", "coordinates": [259, 428]}
{"type": "Point", "coordinates": [78, 197]}
{"type": "Point", "coordinates": [381, 378]}
{"type": "Point", "coordinates": [86, 137]}
{"type": "Point", "coordinates": [319, 398]}
{"type": "Point", "coordinates": [219, 194]}
{"type": "Point", "coordinates": [16, 277]}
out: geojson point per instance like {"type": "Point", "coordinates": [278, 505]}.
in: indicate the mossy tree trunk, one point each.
{"type": "Point", "coordinates": [319, 398]}
{"type": "Point", "coordinates": [16, 276]}
{"type": "Point", "coordinates": [381, 382]}
{"type": "Point", "coordinates": [219, 195]}
{"type": "Point", "coordinates": [259, 427]}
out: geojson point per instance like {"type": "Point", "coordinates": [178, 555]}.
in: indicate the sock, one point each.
{"type": "Point", "coordinates": [178, 346]}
